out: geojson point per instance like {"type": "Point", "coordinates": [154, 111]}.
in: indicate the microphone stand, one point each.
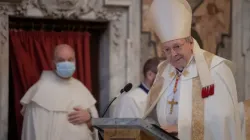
{"type": "Point", "coordinates": [101, 131]}
{"type": "Point", "coordinates": [108, 107]}
{"type": "Point", "coordinates": [125, 89]}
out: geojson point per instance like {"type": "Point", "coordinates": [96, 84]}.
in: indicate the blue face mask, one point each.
{"type": "Point", "coordinates": [65, 69]}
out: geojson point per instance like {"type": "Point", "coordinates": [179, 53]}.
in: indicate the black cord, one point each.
{"type": "Point", "coordinates": [108, 107]}
{"type": "Point", "coordinates": [100, 132]}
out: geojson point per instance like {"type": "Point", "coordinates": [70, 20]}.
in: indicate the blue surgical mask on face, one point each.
{"type": "Point", "coordinates": [65, 69]}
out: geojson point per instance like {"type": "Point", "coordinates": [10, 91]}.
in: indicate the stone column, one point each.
{"type": "Point", "coordinates": [245, 28]}
{"type": "Point", "coordinates": [133, 43]}
{"type": "Point", "coordinates": [4, 79]}
{"type": "Point", "coordinates": [241, 46]}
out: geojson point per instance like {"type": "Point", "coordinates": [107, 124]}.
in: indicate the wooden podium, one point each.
{"type": "Point", "coordinates": [129, 129]}
{"type": "Point", "coordinates": [126, 134]}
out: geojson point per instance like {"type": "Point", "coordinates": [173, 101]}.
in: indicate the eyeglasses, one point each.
{"type": "Point", "coordinates": [177, 48]}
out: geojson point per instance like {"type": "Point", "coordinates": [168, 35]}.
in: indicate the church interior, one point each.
{"type": "Point", "coordinates": [112, 40]}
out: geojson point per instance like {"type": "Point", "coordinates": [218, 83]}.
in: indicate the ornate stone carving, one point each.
{"type": "Point", "coordinates": [4, 33]}
{"type": "Point", "coordinates": [112, 15]}
{"type": "Point", "coordinates": [4, 63]}
{"type": "Point", "coordinates": [22, 8]}
{"type": "Point", "coordinates": [62, 9]}
{"type": "Point", "coordinates": [6, 9]}
{"type": "Point", "coordinates": [116, 33]}
{"type": "Point", "coordinates": [108, 14]}
{"type": "Point", "coordinates": [3, 9]}
{"type": "Point", "coordinates": [65, 8]}
{"type": "Point", "coordinates": [58, 8]}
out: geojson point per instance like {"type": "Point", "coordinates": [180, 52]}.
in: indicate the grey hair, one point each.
{"type": "Point", "coordinates": [189, 39]}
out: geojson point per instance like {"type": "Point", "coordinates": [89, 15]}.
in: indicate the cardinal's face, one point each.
{"type": "Point", "coordinates": [178, 52]}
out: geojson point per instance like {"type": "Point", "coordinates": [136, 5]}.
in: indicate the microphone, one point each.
{"type": "Point", "coordinates": [125, 89]}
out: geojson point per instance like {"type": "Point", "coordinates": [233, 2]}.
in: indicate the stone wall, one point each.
{"type": "Point", "coordinates": [241, 46]}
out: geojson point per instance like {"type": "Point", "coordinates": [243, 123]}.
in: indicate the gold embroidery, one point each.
{"type": "Point", "coordinates": [197, 111]}
{"type": "Point", "coordinates": [155, 91]}
{"type": "Point", "coordinates": [198, 104]}
{"type": "Point", "coordinates": [162, 67]}
{"type": "Point", "coordinates": [172, 74]}
{"type": "Point", "coordinates": [185, 73]}
{"type": "Point", "coordinates": [157, 86]}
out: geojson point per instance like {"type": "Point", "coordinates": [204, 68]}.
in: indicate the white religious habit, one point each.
{"type": "Point", "coordinates": [202, 99]}
{"type": "Point", "coordinates": [131, 104]}
{"type": "Point", "coordinates": [46, 106]}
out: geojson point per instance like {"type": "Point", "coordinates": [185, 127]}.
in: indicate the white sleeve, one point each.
{"type": "Point", "coordinates": [225, 86]}
{"type": "Point", "coordinates": [126, 107]}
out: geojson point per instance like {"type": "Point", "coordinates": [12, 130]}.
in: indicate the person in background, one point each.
{"type": "Point", "coordinates": [133, 103]}
{"type": "Point", "coordinates": [59, 107]}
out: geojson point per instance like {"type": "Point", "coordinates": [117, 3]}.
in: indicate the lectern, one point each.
{"type": "Point", "coordinates": [130, 129]}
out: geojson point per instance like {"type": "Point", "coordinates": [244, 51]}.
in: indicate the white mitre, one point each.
{"type": "Point", "coordinates": [171, 20]}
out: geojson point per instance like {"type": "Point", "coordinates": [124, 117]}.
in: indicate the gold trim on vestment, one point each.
{"type": "Point", "coordinates": [185, 73]}
{"type": "Point", "coordinates": [172, 74]}
{"type": "Point", "coordinates": [198, 104]}
{"type": "Point", "coordinates": [155, 91]}
{"type": "Point", "coordinates": [197, 111]}
{"type": "Point", "coordinates": [158, 84]}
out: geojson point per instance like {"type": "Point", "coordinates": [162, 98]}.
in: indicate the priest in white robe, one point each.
{"type": "Point", "coordinates": [194, 94]}
{"type": "Point", "coordinates": [59, 107]}
{"type": "Point", "coordinates": [133, 103]}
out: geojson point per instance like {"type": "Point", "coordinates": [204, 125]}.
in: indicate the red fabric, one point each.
{"type": "Point", "coordinates": [31, 52]}
{"type": "Point", "coordinates": [207, 91]}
